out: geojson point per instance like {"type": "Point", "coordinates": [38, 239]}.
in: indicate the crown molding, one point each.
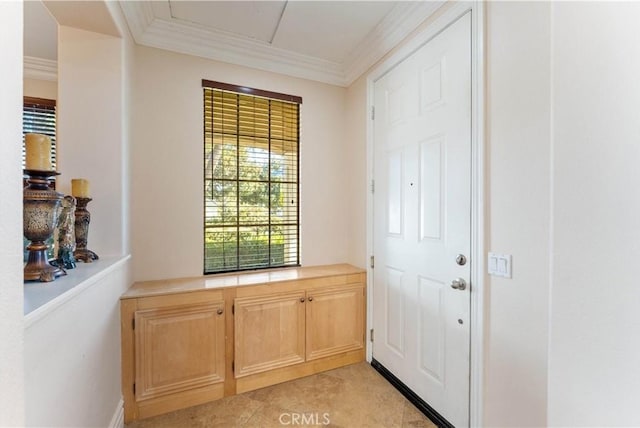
{"type": "Point", "coordinates": [40, 68]}
{"type": "Point", "coordinates": [221, 46]}
{"type": "Point", "coordinates": [403, 19]}
{"type": "Point", "coordinates": [139, 16]}
{"type": "Point", "coordinates": [191, 39]}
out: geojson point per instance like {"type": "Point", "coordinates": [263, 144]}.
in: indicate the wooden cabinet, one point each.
{"type": "Point", "coordinates": [269, 332]}
{"type": "Point", "coordinates": [189, 341]}
{"type": "Point", "coordinates": [173, 352]}
{"type": "Point", "coordinates": [274, 332]}
{"type": "Point", "coordinates": [178, 348]}
{"type": "Point", "coordinates": [278, 331]}
{"type": "Point", "coordinates": [334, 321]}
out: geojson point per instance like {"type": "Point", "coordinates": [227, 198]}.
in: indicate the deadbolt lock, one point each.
{"type": "Point", "coordinates": [461, 260]}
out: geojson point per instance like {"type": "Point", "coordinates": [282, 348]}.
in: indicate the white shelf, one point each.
{"type": "Point", "coordinates": [41, 298]}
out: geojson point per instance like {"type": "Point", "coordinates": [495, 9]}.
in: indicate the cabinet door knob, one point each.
{"type": "Point", "coordinates": [302, 300]}
{"type": "Point", "coordinates": [310, 299]}
{"type": "Point", "coordinates": [220, 311]}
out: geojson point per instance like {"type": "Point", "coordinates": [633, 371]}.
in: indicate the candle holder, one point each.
{"type": "Point", "coordinates": [83, 218]}
{"type": "Point", "coordinates": [40, 214]}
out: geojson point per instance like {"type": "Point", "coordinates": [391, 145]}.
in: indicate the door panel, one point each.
{"type": "Point", "coordinates": [179, 348]}
{"type": "Point", "coordinates": [395, 310]}
{"type": "Point", "coordinates": [431, 188]}
{"type": "Point", "coordinates": [422, 164]}
{"type": "Point", "coordinates": [335, 321]}
{"type": "Point", "coordinates": [431, 313]}
{"type": "Point", "coordinates": [269, 332]}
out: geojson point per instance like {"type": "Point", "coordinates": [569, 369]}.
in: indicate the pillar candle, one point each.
{"type": "Point", "coordinates": [80, 188]}
{"type": "Point", "coordinates": [38, 152]}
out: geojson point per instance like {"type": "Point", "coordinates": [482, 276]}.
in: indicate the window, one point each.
{"type": "Point", "coordinates": [251, 169]}
{"type": "Point", "coordinates": [39, 116]}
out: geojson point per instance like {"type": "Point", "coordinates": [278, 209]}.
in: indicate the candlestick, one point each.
{"type": "Point", "coordinates": [80, 188]}
{"type": "Point", "coordinates": [37, 152]}
{"type": "Point", "coordinates": [83, 218]}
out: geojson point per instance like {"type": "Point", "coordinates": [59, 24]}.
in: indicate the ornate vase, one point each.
{"type": "Point", "coordinates": [40, 216]}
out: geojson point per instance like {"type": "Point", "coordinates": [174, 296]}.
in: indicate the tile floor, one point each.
{"type": "Point", "coordinates": [355, 396]}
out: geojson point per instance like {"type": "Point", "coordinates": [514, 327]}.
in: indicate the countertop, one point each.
{"type": "Point", "coordinates": [238, 279]}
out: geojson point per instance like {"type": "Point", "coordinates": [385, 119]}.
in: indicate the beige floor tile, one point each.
{"type": "Point", "coordinates": [229, 412]}
{"type": "Point", "coordinates": [355, 396]}
{"type": "Point", "coordinates": [414, 418]}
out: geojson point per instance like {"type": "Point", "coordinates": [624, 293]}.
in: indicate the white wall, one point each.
{"type": "Point", "coordinates": [72, 356]}
{"type": "Point", "coordinates": [11, 299]}
{"type": "Point", "coordinates": [357, 160]}
{"type": "Point", "coordinates": [90, 129]}
{"type": "Point", "coordinates": [518, 210]}
{"type": "Point", "coordinates": [594, 376]}
{"type": "Point", "coordinates": [40, 89]}
{"type": "Point", "coordinates": [167, 162]}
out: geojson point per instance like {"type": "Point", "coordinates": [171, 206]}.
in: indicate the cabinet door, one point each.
{"type": "Point", "coordinates": [179, 348]}
{"type": "Point", "coordinates": [335, 321]}
{"type": "Point", "coordinates": [269, 332]}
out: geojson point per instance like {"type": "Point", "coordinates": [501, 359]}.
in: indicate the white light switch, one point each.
{"type": "Point", "coordinates": [499, 265]}
{"type": "Point", "coordinates": [493, 264]}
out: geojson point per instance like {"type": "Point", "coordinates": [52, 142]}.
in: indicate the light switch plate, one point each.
{"type": "Point", "coordinates": [499, 265]}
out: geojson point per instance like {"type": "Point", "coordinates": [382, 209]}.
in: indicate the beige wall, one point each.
{"type": "Point", "coordinates": [594, 378]}
{"type": "Point", "coordinates": [167, 162]}
{"type": "Point", "coordinates": [356, 151]}
{"type": "Point", "coordinates": [91, 136]}
{"type": "Point", "coordinates": [72, 357]}
{"type": "Point", "coordinates": [11, 298]}
{"type": "Point", "coordinates": [40, 89]}
{"type": "Point", "coordinates": [518, 210]}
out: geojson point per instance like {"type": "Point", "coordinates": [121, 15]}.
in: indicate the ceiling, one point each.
{"type": "Point", "coordinates": [328, 41]}
{"type": "Point", "coordinates": [40, 31]}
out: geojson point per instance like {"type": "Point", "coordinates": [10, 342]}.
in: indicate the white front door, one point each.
{"type": "Point", "coordinates": [422, 216]}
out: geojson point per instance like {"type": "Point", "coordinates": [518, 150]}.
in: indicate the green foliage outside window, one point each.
{"type": "Point", "coordinates": [251, 189]}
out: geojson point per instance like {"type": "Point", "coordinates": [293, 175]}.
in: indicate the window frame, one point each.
{"type": "Point", "coordinates": [256, 93]}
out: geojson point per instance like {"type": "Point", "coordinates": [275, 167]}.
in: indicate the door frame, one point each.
{"type": "Point", "coordinates": [478, 292]}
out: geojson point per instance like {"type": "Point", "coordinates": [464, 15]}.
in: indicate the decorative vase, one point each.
{"type": "Point", "coordinates": [40, 215]}
{"type": "Point", "coordinates": [66, 234]}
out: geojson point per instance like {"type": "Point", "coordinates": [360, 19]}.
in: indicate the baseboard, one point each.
{"type": "Point", "coordinates": [422, 405]}
{"type": "Point", "coordinates": [117, 421]}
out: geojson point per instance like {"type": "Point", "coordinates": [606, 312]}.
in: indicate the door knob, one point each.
{"type": "Point", "coordinates": [459, 284]}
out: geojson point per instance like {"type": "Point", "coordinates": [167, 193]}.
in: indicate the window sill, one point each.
{"type": "Point", "coordinates": [42, 298]}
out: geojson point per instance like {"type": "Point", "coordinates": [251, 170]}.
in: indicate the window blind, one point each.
{"type": "Point", "coordinates": [39, 116]}
{"type": "Point", "coordinates": [251, 178]}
